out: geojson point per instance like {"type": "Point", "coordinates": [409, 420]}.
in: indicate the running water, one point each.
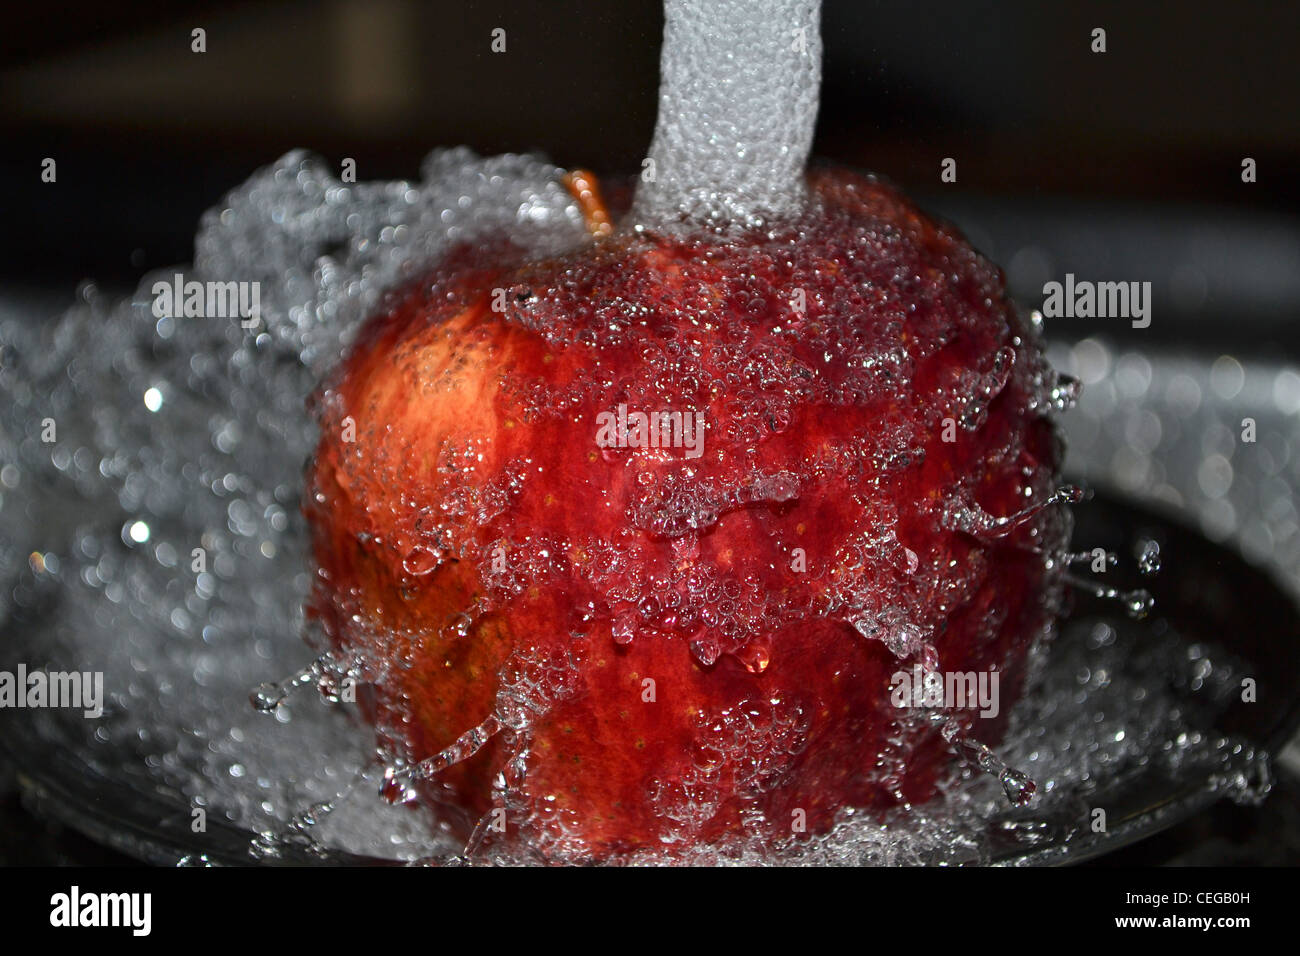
{"type": "Point", "coordinates": [738, 93]}
{"type": "Point", "coordinates": [151, 480]}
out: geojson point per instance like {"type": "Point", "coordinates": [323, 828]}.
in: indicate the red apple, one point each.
{"type": "Point", "coordinates": [622, 649]}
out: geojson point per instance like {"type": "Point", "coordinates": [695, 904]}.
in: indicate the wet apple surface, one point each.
{"type": "Point", "coordinates": [589, 648]}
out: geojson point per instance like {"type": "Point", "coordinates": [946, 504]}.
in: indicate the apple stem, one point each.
{"type": "Point", "coordinates": [739, 85]}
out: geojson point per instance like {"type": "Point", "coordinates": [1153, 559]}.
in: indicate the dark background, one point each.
{"type": "Point", "coordinates": [1123, 165]}
{"type": "Point", "coordinates": [1120, 166]}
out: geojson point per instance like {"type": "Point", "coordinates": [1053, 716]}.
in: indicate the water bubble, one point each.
{"type": "Point", "coordinates": [705, 651]}
{"type": "Point", "coordinates": [755, 657]}
{"type": "Point", "coordinates": [421, 560]}
{"type": "Point", "coordinates": [624, 628]}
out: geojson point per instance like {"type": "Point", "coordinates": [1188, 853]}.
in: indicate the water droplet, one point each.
{"type": "Point", "coordinates": [1148, 555]}
{"type": "Point", "coordinates": [267, 697]}
{"type": "Point", "coordinates": [624, 628]}
{"type": "Point", "coordinates": [1017, 786]}
{"type": "Point", "coordinates": [1065, 393]}
{"type": "Point", "coordinates": [1137, 604]}
{"type": "Point", "coordinates": [420, 561]}
{"type": "Point", "coordinates": [755, 657]}
{"type": "Point", "coordinates": [705, 651]}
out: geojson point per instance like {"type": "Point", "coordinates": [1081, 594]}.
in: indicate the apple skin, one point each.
{"type": "Point", "coordinates": [658, 687]}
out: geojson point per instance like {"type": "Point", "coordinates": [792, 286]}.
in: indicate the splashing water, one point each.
{"type": "Point", "coordinates": [152, 476]}
{"type": "Point", "coordinates": [166, 502]}
{"type": "Point", "coordinates": [185, 619]}
{"type": "Point", "coordinates": [969, 517]}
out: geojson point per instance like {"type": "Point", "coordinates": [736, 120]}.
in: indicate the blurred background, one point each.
{"type": "Point", "coordinates": [1123, 165]}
